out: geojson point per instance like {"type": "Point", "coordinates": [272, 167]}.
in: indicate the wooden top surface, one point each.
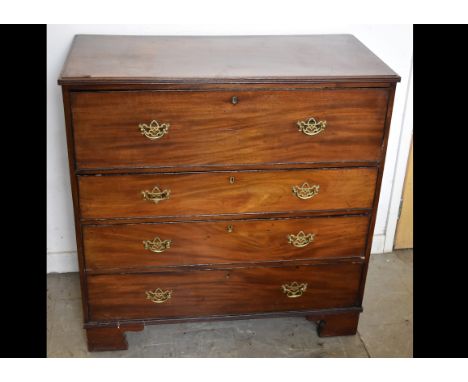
{"type": "Point", "coordinates": [96, 59]}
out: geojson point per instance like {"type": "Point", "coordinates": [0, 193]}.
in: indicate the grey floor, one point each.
{"type": "Point", "coordinates": [385, 327]}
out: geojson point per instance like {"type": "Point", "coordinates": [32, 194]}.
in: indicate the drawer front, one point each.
{"type": "Point", "coordinates": [123, 196]}
{"type": "Point", "coordinates": [151, 245]}
{"type": "Point", "coordinates": [206, 128]}
{"type": "Point", "coordinates": [235, 291]}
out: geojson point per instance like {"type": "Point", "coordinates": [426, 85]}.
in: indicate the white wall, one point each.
{"type": "Point", "coordinates": [392, 43]}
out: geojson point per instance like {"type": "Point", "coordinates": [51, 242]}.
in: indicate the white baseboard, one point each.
{"type": "Point", "coordinates": [66, 262]}
{"type": "Point", "coordinates": [62, 262]}
{"type": "Point", "coordinates": [378, 244]}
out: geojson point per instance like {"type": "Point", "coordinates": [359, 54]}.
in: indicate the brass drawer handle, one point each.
{"type": "Point", "coordinates": [154, 130]}
{"type": "Point", "coordinates": [294, 289]}
{"type": "Point", "coordinates": [305, 191]}
{"type": "Point", "coordinates": [158, 296]}
{"type": "Point", "coordinates": [301, 239]}
{"type": "Point", "coordinates": [311, 126]}
{"type": "Point", "coordinates": [157, 245]}
{"type": "Point", "coordinates": [156, 195]}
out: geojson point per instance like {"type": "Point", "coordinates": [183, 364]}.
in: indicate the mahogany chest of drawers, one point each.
{"type": "Point", "coordinates": [223, 177]}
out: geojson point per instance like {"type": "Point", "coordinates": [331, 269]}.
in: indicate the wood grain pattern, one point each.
{"type": "Point", "coordinates": [113, 83]}
{"type": "Point", "coordinates": [121, 246]}
{"type": "Point", "coordinates": [207, 129]}
{"type": "Point", "coordinates": [76, 202]}
{"type": "Point", "coordinates": [184, 86]}
{"type": "Point", "coordinates": [206, 292]}
{"type": "Point", "coordinates": [336, 324]}
{"type": "Point", "coordinates": [212, 193]}
{"type": "Point", "coordinates": [231, 217]}
{"type": "Point", "coordinates": [312, 315]}
{"type": "Point", "coordinates": [132, 59]}
{"type": "Point", "coordinates": [375, 204]}
{"type": "Point", "coordinates": [234, 167]}
{"type": "Point", "coordinates": [110, 338]}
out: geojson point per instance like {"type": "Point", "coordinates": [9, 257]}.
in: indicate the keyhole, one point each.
{"type": "Point", "coordinates": [234, 100]}
{"type": "Point", "coordinates": [229, 228]}
{"type": "Point", "coordinates": [232, 179]}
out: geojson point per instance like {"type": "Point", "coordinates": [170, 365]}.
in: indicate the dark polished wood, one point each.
{"type": "Point", "coordinates": [121, 246]}
{"type": "Point", "coordinates": [76, 203]}
{"type": "Point", "coordinates": [212, 168]}
{"type": "Point", "coordinates": [131, 59]}
{"type": "Point", "coordinates": [206, 128]}
{"type": "Point", "coordinates": [209, 292]}
{"type": "Point", "coordinates": [225, 164]}
{"type": "Point", "coordinates": [232, 217]}
{"type": "Point", "coordinates": [110, 338]}
{"type": "Point", "coordinates": [312, 315]}
{"type": "Point", "coordinates": [76, 86]}
{"type": "Point", "coordinates": [194, 194]}
{"type": "Point", "coordinates": [377, 192]}
{"type": "Point", "coordinates": [336, 324]}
